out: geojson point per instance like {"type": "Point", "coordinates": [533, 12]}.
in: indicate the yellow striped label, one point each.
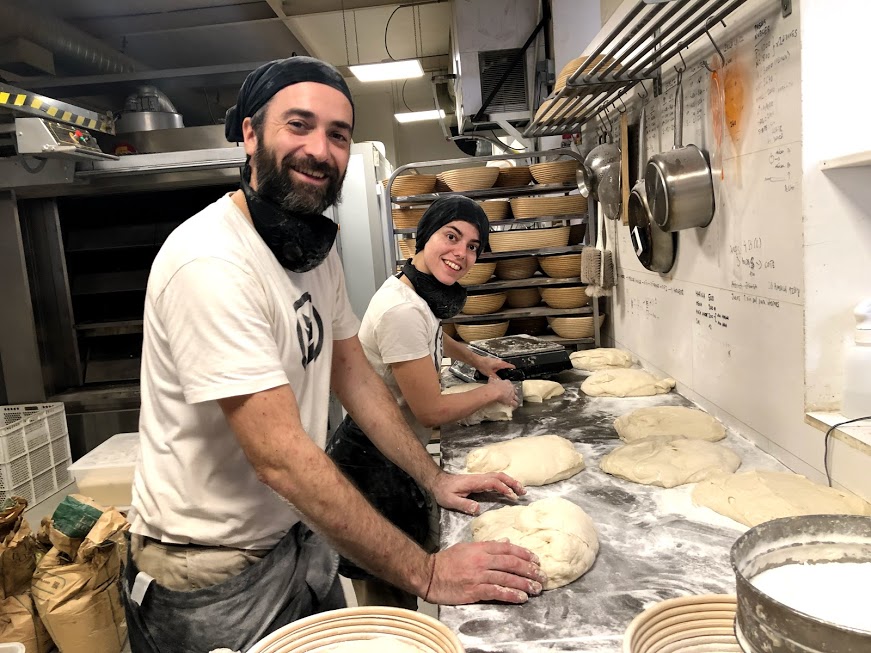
{"type": "Point", "coordinates": [92, 123]}
{"type": "Point", "coordinates": [36, 103]}
{"type": "Point", "coordinates": [80, 120]}
{"type": "Point", "coordinates": [4, 98]}
{"type": "Point", "coordinates": [52, 111]}
{"type": "Point", "coordinates": [66, 116]}
{"type": "Point", "coordinates": [19, 100]}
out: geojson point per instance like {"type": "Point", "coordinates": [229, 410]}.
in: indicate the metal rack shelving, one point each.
{"type": "Point", "coordinates": [521, 221]}
{"type": "Point", "coordinates": [494, 193]}
{"type": "Point", "coordinates": [646, 39]}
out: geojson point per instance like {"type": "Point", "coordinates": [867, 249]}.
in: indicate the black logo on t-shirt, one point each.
{"type": "Point", "coordinates": [309, 329]}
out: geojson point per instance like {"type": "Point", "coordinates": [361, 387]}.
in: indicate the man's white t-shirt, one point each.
{"type": "Point", "coordinates": [399, 326]}
{"type": "Point", "coordinates": [224, 318]}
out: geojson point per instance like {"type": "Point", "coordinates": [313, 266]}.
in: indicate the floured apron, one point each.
{"type": "Point", "coordinates": [296, 579]}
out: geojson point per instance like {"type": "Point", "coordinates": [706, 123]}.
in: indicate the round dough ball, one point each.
{"type": "Point", "coordinates": [537, 390]}
{"type": "Point", "coordinates": [691, 423]}
{"type": "Point", "coordinates": [669, 461]}
{"type": "Point", "coordinates": [559, 532]}
{"type": "Point", "coordinates": [758, 496]}
{"type": "Point", "coordinates": [533, 460]}
{"type": "Point", "coordinates": [601, 358]}
{"type": "Point", "coordinates": [625, 383]}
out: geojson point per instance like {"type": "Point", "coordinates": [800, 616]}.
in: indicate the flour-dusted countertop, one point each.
{"type": "Point", "coordinates": [653, 543]}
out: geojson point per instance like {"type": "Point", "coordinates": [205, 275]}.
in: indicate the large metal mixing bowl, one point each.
{"type": "Point", "coordinates": [765, 625]}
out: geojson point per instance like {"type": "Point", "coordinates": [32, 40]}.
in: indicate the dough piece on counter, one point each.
{"type": "Point", "coordinates": [375, 645]}
{"type": "Point", "coordinates": [601, 358]}
{"type": "Point", "coordinates": [533, 460]}
{"type": "Point", "coordinates": [537, 390]}
{"type": "Point", "coordinates": [495, 412]}
{"type": "Point", "coordinates": [691, 423]}
{"type": "Point", "coordinates": [758, 496]}
{"type": "Point", "coordinates": [559, 532]}
{"type": "Point", "coordinates": [625, 383]}
{"type": "Point", "coordinates": [669, 461]}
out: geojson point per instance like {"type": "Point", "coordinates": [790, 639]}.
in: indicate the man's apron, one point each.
{"type": "Point", "coordinates": [296, 579]}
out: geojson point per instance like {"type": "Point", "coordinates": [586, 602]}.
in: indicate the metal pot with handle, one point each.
{"type": "Point", "coordinates": [680, 190]}
{"type": "Point", "coordinates": [654, 247]}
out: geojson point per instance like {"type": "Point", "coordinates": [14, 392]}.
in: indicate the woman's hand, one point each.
{"type": "Point", "coordinates": [489, 365]}
{"type": "Point", "coordinates": [505, 391]}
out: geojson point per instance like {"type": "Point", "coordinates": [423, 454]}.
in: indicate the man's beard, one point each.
{"type": "Point", "coordinates": [278, 185]}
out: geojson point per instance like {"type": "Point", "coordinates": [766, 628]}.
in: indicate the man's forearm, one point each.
{"type": "Point", "coordinates": [365, 396]}
{"type": "Point", "coordinates": [458, 351]}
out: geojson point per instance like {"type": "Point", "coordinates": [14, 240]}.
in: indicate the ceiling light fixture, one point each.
{"type": "Point", "coordinates": [416, 116]}
{"type": "Point", "coordinates": [387, 70]}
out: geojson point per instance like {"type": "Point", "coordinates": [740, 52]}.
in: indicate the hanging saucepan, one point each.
{"type": "Point", "coordinates": [680, 190]}
{"type": "Point", "coordinates": [654, 247]}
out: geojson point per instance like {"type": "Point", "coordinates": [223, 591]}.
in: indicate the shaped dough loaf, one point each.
{"type": "Point", "coordinates": [625, 383]}
{"type": "Point", "coordinates": [534, 460]}
{"type": "Point", "coordinates": [690, 423]}
{"type": "Point", "coordinates": [758, 496]}
{"type": "Point", "coordinates": [601, 358]}
{"type": "Point", "coordinates": [495, 412]}
{"type": "Point", "coordinates": [536, 390]}
{"type": "Point", "coordinates": [559, 532]}
{"type": "Point", "coordinates": [669, 461]}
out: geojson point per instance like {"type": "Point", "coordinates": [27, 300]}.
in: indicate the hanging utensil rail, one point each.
{"type": "Point", "coordinates": [646, 39]}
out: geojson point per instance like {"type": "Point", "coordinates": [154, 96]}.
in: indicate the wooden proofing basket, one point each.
{"type": "Point", "coordinates": [534, 207]}
{"type": "Point", "coordinates": [407, 218]}
{"type": "Point", "coordinates": [449, 329]}
{"type": "Point", "coordinates": [561, 266]}
{"type": "Point", "coordinates": [513, 177]}
{"type": "Point", "coordinates": [513, 269]}
{"type": "Point", "coordinates": [482, 330]}
{"type": "Point", "coordinates": [555, 172]}
{"type": "Point", "coordinates": [411, 185]}
{"type": "Point", "coordinates": [496, 209]}
{"type": "Point", "coordinates": [522, 239]}
{"type": "Point", "coordinates": [567, 297]}
{"type": "Point", "coordinates": [480, 273]}
{"type": "Point", "coordinates": [574, 327]}
{"type": "Point", "coordinates": [524, 297]}
{"type": "Point", "coordinates": [466, 179]}
{"type": "Point", "coordinates": [684, 625]}
{"type": "Point", "coordinates": [484, 303]}
{"type": "Point", "coordinates": [406, 247]}
{"type": "Point", "coordinates": [319, 633]}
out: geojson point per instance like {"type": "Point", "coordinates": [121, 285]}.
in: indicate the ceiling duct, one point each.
{"type": "Point", "coordinates": [80, 50]}
{"type": "Point", "coordinates": [146, 110]}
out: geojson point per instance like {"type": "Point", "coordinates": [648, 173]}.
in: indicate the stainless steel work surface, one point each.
{"type": "Point", "coordinates": [653, 543]}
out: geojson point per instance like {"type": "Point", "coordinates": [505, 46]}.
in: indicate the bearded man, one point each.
{"type": "Point", "coordinates": [237, 512]}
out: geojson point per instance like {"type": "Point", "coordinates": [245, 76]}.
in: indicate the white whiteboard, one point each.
{"type": "Point", "coordinates": [727, 321]}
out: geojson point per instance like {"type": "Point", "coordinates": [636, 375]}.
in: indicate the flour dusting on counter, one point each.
{"type": "Point", "coordinates": [654, 544]}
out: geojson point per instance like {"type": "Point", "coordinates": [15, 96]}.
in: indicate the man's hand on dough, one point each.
{"type": "Point", "coordinates": [451, 491]}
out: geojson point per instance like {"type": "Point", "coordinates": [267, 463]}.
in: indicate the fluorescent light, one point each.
{"type": "Point", "coordinates": [415, 116]}
{"type": "Point", "coordinates": [387, 70]}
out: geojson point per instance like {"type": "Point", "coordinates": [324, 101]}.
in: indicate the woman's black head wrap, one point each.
{"type": "Point", "coordinates": [264, 82]}
{"type": "Point", "coordinates": [448, 209]}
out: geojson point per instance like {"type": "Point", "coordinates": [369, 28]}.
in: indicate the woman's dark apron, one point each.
{"type": "Point", "coordinates": [390, 490]}
{"type": "Point", "coordinates": [296, 579]}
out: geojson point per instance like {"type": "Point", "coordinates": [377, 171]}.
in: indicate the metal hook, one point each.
{"type": "Point", "coordinates": [680, 54]}
{"type": "Point", "coordinates": [645, 96]}
{"type": "Point", "coordinates": [625, 108]}
{"type": "Point", "coordinates": [716, 47]}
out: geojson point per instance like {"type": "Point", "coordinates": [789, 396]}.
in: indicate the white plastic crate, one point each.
{"type": "Point", "coordinates": [34, 451]}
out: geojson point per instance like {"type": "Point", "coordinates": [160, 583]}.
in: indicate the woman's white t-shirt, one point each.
{"type": "Point", "coordinates": [399, 326]}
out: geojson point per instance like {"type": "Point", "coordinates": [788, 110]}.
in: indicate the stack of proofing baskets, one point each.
{"type": "Point", "coordinates": [34, 451]}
